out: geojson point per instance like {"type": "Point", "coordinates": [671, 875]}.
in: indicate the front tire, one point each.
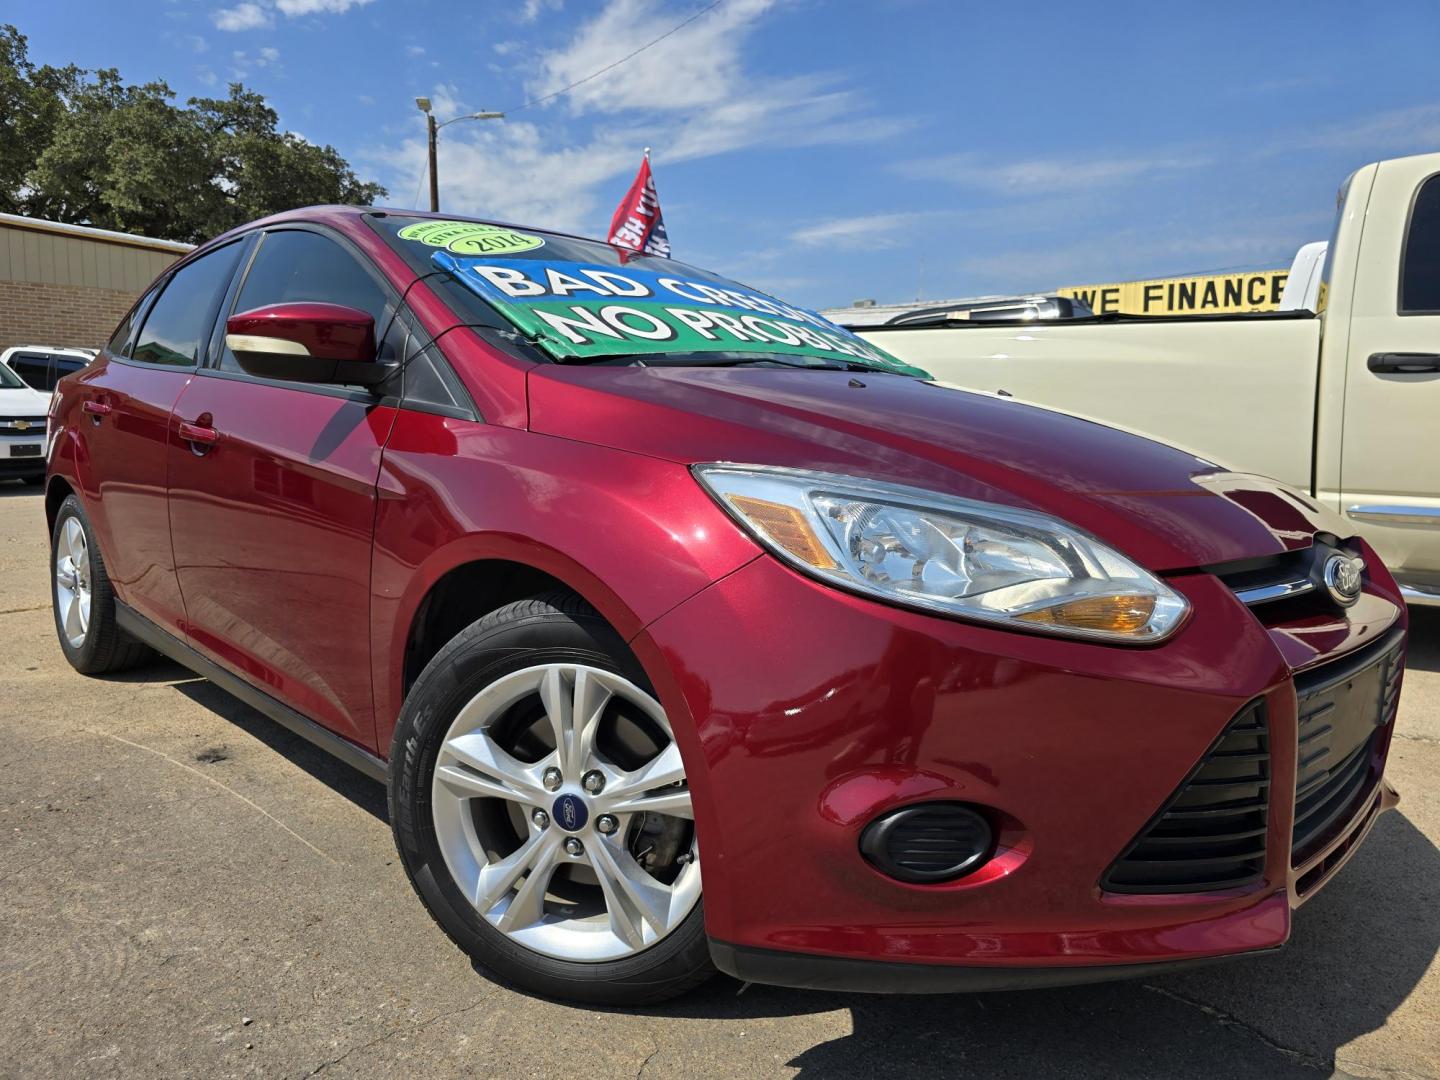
{"type": "Point", "coordinates": [541, 810]}
{"type": "Point", "coordinates": [83, 600]}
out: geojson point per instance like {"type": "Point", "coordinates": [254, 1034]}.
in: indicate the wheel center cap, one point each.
{"type": "Point", "coordinates": [570, 812]}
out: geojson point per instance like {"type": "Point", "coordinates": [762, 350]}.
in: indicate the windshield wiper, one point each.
{"type": "Point", "coordinates": [720, 359]}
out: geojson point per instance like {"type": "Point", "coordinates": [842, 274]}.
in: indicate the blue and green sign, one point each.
{"type": "Point", "coordinates": [582, 310]}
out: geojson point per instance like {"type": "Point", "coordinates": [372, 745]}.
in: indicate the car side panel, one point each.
{"type": "Point", "coordinates": [454, 491]}
{"type": "Point", "coordinates": [272, 532]}
{"type": "Point", "coordinates": [119, 467]}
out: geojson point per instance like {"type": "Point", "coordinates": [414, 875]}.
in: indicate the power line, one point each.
{"type": "Point", "coordinates": [610, 67]}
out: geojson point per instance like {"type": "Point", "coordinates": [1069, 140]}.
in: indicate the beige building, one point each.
{"type": "Point", "coordinates": [68, 284]}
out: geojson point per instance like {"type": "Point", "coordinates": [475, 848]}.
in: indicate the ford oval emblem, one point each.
{"type": "Point", "coordinates": [1343, 578]}
{"type": "Point", "coordinates": [569, 813]}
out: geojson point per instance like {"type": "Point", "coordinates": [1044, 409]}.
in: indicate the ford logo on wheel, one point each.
{"type": "Point", "coordinates": [1342, 578]}
{"type": "Point", "coordinates": [570, 813]}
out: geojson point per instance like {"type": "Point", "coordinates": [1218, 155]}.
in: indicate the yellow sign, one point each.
{"type": "Point", "coordinates": [1208, 294]}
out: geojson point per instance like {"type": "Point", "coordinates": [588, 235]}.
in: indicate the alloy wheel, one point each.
{"type": "Point", "coordinates": [563, 813]}
{"type": "Point", "coordinates": [72, 581]}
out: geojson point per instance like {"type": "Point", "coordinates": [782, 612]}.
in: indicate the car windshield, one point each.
{"type": "Point", "coordinates": [580, 301]}
{"type": "Point", "coordinates": [9, 380]}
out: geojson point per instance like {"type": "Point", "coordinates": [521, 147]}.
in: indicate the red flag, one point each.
{"type": "Point", "coordinates": [638, 223]}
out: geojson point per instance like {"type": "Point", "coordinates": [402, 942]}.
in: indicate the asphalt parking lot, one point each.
{"type": "Point", "coordinates": [186, 889]}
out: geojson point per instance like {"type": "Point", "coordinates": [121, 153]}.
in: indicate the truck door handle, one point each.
{"type": "Point", "coordinates": [1403, 363]}
{"type": "Point", "coordinates": [199, 434]}
{"type": "Point", "coordinates": [96, 409]}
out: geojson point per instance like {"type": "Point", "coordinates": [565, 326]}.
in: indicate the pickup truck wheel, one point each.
{"type": "Point", "coordinates": [541, 809]}
{"type": "Point", "coordinates": [83, 600]}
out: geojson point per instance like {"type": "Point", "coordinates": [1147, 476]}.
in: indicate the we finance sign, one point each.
{"type": "Point", "coordinates": [1205, 294]}
{"type": "Point", "coordinates": [582, 310]}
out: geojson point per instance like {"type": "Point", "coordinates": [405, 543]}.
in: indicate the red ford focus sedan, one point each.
{"type": "Point", "coordinates": [626, 577]}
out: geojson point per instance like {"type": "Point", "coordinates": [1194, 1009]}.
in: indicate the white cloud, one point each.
{"type": "Point", "coordinates": [1037, 176]}
{"type": "Point", "coordinates": [690, 97]}
{"type": "Point", "coordinates": [414, 50]}
{"type": "Point", "coordinates": [697, 65]}
{"type": "Point", "coordinates": [531, 9]}
{"type": "Point", "coordinates": [243, 16]}
{"type": "Point", "coordinates": [268, 55]}
{"type": "Point", "coordinates": [1409, 130]}
{"type": "Point", "coordinates": [259, 14]}
{"type": "Point", "coordinates": [866, 230]}
{"type": "Point", "coordinates": [318, 7]}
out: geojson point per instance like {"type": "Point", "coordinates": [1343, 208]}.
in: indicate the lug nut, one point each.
{"type": "Point", "coordinates": [593, 782]}
{"type": "Point", "coordinates": [552, 778]}
{"type": "Point", "coordinates": [541, 819]}
{"type": "Point", "coordinates": [574, 847]}
{"type": "Point", "coordinates": [606, 824]}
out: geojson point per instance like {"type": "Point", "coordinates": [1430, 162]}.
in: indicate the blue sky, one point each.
{"type": "Point", "coordinates": [832, 150]}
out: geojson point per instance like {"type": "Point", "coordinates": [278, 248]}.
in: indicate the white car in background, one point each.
{"type": "Point", "coordinates": [42, 366]}
{"type": "Point", "coordinates": [22, 429]}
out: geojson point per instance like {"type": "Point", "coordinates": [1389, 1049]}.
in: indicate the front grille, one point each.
{"type": "Point", "coordinates": [1211, 833]}
{"type": "Point", "coordinates": [11, 424]}
{"type": "Point", "coordinates": [1345, 708]}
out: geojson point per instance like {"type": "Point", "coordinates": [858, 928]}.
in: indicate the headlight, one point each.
{"type": "Point", "coordinates": [960, 557]}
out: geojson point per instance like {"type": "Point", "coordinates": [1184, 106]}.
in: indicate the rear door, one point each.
{"type": "Point", "coordinates": [125, 401]}
{"type": "Point", "coordinates": [1390, 457]}
{"type": "Point", "coordinates": [272, 518]}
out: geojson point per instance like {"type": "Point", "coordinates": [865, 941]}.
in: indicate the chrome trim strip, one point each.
{"type": "Point", "coordinates": [1396, 515]}
{"type": "Point", "coordinates": [263, 344]}
{"type": "Point", "coordinates": [1421, 595]}
{"type": "Point", "coordinates": [1263, 594]}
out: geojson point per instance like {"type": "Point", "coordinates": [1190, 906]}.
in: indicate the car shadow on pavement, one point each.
{"type": "Point", "coordinates": [334, 774]}
{"type": "Point", "coordinates": [1357, 951]}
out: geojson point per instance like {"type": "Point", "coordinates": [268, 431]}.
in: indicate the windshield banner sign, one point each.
{"type": "Point", "coordinates": [581, 310]}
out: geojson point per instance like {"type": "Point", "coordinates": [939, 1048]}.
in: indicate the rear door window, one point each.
{"type": "Point", "coordinates": [181, 319]}
{"type": "Point", "coordinates": [34, 369]}
{"type": "Point", "coordinates": [1420, 263]}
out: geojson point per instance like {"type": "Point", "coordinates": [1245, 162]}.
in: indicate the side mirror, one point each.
{"type": "Point", "coordinates": [306, 342]}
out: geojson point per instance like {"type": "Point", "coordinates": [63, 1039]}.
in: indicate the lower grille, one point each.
{"type": "Point", "coordinates": [1345, 708]}
{"type": "Point", "coordinates": [1211, 834]}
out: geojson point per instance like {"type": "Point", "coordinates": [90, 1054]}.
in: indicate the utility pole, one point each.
{"type": "Point", "coordinates": [433, 131]}
{"type": "Point", "coordinates": [434, 170]}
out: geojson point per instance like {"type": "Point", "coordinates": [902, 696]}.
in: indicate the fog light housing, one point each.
{"type": "Point", "coordinates": [928, 843]}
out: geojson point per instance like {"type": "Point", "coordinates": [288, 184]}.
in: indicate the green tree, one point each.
{"type": "Point", "coordinates": [264, 169]}
{"type": "Point", "coordinates": [86, 148]}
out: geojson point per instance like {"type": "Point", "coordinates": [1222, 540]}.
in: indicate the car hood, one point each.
{"type": "Point", "coordinates": [26, 402]}
{"type": "Point", "coordinates": [1163, 507]}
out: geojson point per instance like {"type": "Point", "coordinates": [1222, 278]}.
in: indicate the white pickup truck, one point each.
{"type": "Point", "coordinates": [1342, 401]}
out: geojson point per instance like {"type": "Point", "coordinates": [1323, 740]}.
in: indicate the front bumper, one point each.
{"type": "Point", "coordinates": [813, 711]}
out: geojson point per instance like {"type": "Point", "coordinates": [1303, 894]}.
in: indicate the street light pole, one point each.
{"type": "Point", "coordinates": [434, 170]}
{"type": "Point", "coordinates": [433, 131]}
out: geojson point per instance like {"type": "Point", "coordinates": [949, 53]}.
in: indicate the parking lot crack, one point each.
{"type": "Point", "coordinates": [19, 610]}
{"type": "Point", "coordinates": [212, 780]}
{"type": "Point", "coordinates": [318, 1069]}
{"type": "Point", "coordinates": [1227, 1019]}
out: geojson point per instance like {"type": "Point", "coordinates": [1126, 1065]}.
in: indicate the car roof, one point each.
{"type": "Point", "coordinates": [332, 214]}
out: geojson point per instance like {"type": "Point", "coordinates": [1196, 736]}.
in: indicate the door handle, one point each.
{"type": "Point", "coordinates": [1403, 363]}
{"type": "Point", "coordinates": [96, 409]}
{"type": "Point", "coordinates": [199, 434]}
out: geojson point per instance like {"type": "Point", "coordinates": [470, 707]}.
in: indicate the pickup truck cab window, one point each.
{"type": "Point", "coordinates": [1420, 262]}
{"type": "Point", "coordinates": [182, 317]}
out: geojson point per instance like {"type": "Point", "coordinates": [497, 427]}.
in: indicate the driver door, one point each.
{"type": "Point", "coordinates": [272, 508]}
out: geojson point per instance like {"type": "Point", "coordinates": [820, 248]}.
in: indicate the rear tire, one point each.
{"type": "Point", "coordinates": [83, 600]}
{"type": "Point", "coordinates": [576, 934]}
